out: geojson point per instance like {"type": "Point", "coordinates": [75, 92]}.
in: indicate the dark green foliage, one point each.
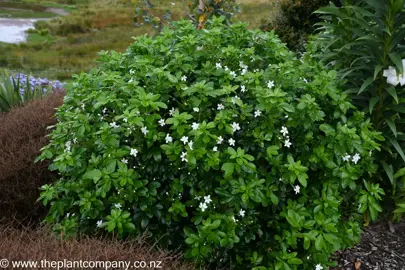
{"type": "Point", "coordinates": [296, 21]}
{"type": "Point", "coordinates": [218, 141]}
{"type": "Point", "coordinates": [364, 41]}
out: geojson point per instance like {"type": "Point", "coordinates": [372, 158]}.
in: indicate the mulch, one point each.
{"type": "Point", "coordinates": [382, 247]}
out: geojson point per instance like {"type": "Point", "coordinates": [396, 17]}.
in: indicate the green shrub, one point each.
{"type": "Point", "coordinates": [364, 41]}
{"type": "Point", "coordinates": [295, 21]}
{"type": "Point", "coordinates": [219, 141]}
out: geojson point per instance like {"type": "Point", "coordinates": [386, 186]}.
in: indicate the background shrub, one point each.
{"type": "Point", "coordinates": [23, 133]}
{"type": "Point", "coordinates": [218, 140]}
{"type": "Point", "coordinates": [295, 21]}
{"type": "Point", "coordinates": [364, 41]}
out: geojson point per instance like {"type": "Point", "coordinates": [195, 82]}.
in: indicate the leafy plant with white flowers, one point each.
{"type": "Point", "coordinates": [225, 151]}
{"type": "Point", "coordinates": [364, 41]}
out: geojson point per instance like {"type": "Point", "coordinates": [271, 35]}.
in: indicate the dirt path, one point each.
{"type": "Point", "coordinates": [59, 11]}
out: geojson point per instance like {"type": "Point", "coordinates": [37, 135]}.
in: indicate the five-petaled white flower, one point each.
{"type": "Point", "coordinates": [207, 199]}
{"type": "Point", "coordinates": [318, 267]}
{"type": "Point", "coordinates": [171, 112]}
{"type": "Point", "coordinates": [297, 189]}
{"type": "Point", "coordinates": [220, 107]}
{"type": "Point", "coordinates": [270, 84]}
{"type": "Point", "coordinates": [196, 109]}
{"type": "Point", "coordinates": [215, 149]}
{"type": "Point", "coordinates": [220, 140]}
{"type": "Point", "coordinates": [144, 130]}
{"type": "Point", "coordinates": [118, 205]}
{"type": "Point", "coordinates": [231, 142]}
{"type": "Point", "coordinates": [184, 139]}
{"type": "Point", "coordinates": [168, 138]}
{"type": "Point", "coordinates": [114, 125]}
{"type": "Point", "coordinates": [242, 212]}
{"type": "Point", "coordinates": [124, 161]}
{"type": "Point", "coordinates": [233, 73]}
{"type": "Point", "coordinates": [162, 122]}
{"type": "Point", "coordinates": [190, 144]}
{"type": "Point", "coordinates": [257, 113]}
{"type": "Point", "coordinates": [184, 78]}
{"type": "Point", "coordinates": [356, 158]}
{"type": "Point", "coordinates": [134, 152]}
{"type": "Point", "coordinates": [284, 130]}
{"type": "Point", "coordinates": [235, 126]}
{"type": "Point", "coordinates": [243, 88]}
{"type": "Point", "coordinates": [195, 126]}
{"type": "Point", "coordinates": [346, 157]}
{"type": "Point", "coordinates": [203, 206]}
{"type": "Point", "coordinates": [287, 143]}
{"type": "Point", "coordinates": [99, 223]}
{"type": "Point", "coordinates": [183, 156]}
{"type": "Point", "coordinates": [218, 65]}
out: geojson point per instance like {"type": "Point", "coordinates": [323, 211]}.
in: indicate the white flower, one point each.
{"type": "Point", "coordinates": [270, 84]}
{"type": "Point", "coordinates": [198, 197]}
{"type": "Point", "coordinates": [207, 199]}
{"type": "Point", "coordinates": [168, 138]}
{"type": "Point", "coordinates": [231, 142]}
{"type": "Point", "coordinates": [190, 144]}
{"type": "Point", "coordinates": [233, 100]}
{"type": "Point", "coordinates": [220, 107]}
{"type": "Point", "coordinates": [284, 130]}
{"type": "Point", "coordinates": [183, 156]}
{"type": "Point", "coordinates": [118, 205]}
{"type": "Point", "coordinates": [124, 161]}
{"type": "Point", "coordinates": [346, 158]}
{"type": "Point", "coordinates": [297, 189]}
{"type": "Point", "coordinates": [226, 68]}
{"type": "Point", "coordinates": [318, 267]}
{"type": "Point", "coordinates": [241, 64]}
{"type": "Point", "coordinates": [242, 88]}
{"type": "Point", "coordinates": [184, 78]}
{"type": "Point", "coordinates": [125, 120]}
{"type": "Point", "coordinates": [171, 112]}
{"type": "Point", "coordinates": [233, 73]}
{"type": "Point", "coordinates": [184, 139]}
{"type": "Point", "coordinates": [104, 110]}
{"type": "Point", "coordinates": [243, 71]}
{"type": "Point", "coordinates": [356, 158]}
{"type": "Point", "coordinates": [242, 212]}
{"type": "Point", "coordinates": [218, 65]}
{"type": "Point", "coordinates": [233, 219]}
{"type": "Point", "coordinates": [195, 126]}
{"type": "Point", "coordinates": [203, 206]}
{"type": "Point", "coordinates": [287, 143]}
{"type": "Point", "coordinates": [392, 77]}
{"type": "Point", "coordinates": [130, 81]}
{"type": "Point", "coordinates": [257, 113]}
{"type": "Point", "coordinates": [144, 130]}
{"type": "Point", "coordinates": [132, 72]}
{"type": "Point", "coordinates": [162, 122]}
{"type": "Point", "coordinates": [134, 152]}
{"type": "Point", "coordinates": [99, 223]}
{"type": "Point", "coordinates": [74, 140]}
{"type": "Point", "coordinates": [220, 140]}
{"type": "Point", "coordinates": [215, 149]}
{"type": "Point", "coordinates": [196, 109]}
{"type": "Point", "coordinates": [235, 126]}
{"type": "Point", "coordinates": [114, 125]}
{"type": "Point", "coordinates": [305, 80]}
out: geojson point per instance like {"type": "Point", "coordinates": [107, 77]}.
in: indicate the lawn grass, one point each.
{"type": "Point", "coordinates": [95, 25]}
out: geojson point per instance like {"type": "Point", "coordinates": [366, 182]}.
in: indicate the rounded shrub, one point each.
{"type": "Point", "coordinates": [217, 140]}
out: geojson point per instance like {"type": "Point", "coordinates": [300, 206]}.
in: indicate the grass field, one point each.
{"type": "Point", "coordinates": [92, 25]}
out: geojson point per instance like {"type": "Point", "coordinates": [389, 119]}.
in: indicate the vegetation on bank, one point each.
{"type": "Point", "coordinates": [71, 42]}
